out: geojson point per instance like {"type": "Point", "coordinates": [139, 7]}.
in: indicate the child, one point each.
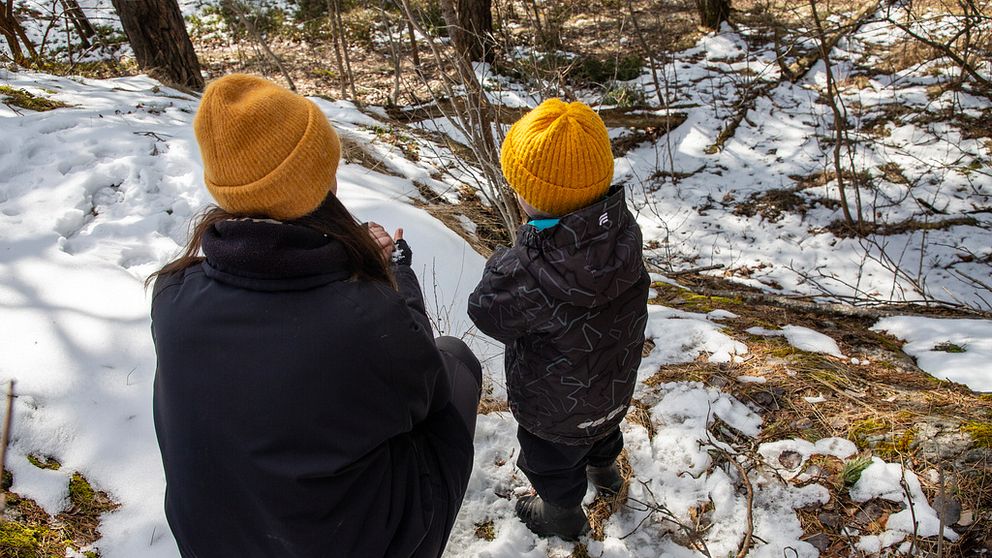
{"type": "Point", "coordinates": [569, 301]}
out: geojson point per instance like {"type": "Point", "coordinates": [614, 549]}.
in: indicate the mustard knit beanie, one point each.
{"type": "Point", "coordinates": [266, 150]}
{"type": "Point", "coordinates": [558, 158]}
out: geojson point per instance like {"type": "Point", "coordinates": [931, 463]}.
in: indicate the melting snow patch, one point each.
{"type": "Point", "coordinates": [683, 336]}
{"type": "Point", "coordinates": [802, 338]}
{"type": "Point", "coordinates": [789, 456]}
{"type": "Point", "coordinates": [951, 349]}
{"type": "Point", "coordinates": [884, 480]}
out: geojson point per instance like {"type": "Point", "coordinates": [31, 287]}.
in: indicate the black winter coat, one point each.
{"type": "Point", "coordinates": [295, 407]}
{"type": "Point", "coordinates": [570, 303]}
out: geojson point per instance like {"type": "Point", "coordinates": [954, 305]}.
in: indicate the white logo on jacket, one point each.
{"type": "Point", "coordinates": [599, 421]}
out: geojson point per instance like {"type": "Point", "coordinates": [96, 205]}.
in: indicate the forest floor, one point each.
{"type": "Point", "coordinates": [732, 173]}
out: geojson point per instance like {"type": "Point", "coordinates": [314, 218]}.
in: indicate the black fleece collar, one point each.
{"type": "Point", "coordinates": [269, 255]}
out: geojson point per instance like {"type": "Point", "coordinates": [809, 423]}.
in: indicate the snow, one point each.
{"type": "Point", "coordinates": [802, 338]}
{"type": "Point", "coordinates": [687, 335]}
{"type": "Point", "coordinates": [890, 481]}
{"type": "Point", "coordinates": [777, 454]}
{"type": "Point", "coordinates": [95, 197]}
{"type": "Point", "coordinates": [933, 342]}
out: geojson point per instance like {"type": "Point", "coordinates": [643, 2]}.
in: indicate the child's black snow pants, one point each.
{"type": "Point", "coordinates": [558, 471]}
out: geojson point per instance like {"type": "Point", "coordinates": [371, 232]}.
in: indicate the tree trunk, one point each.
{"type": "Point", "coordinates": [161, 45]}
{"type": "Point", "coordinates": [470, 26]}
{"type": "Point", "coordinates": [713, 12]}
{"type": "Point", "coordinates": [79, 20]}
{"type": "Point", "coordinates": [11, 29]}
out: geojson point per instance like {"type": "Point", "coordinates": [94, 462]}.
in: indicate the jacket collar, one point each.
{"type": "Point", "coordinates": [269, 255]}
{"type": "Point", "coordinates": [588, 224]}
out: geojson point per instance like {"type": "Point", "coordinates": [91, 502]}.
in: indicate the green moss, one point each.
{"type": "Point", "coordinates": [86, 500]}
{"type": "Point", "coordinates": [948, 347]}
{"type": "Point", "coordinates": [23, 99]}
{"type": "Point", "coordinates": [851, 471]}
{"type": "Point", "coordinates": [45, 462]}
{"type": "Point", "coordinates": [81, 493]}
{"type": "Point", "coordinates": [596, 70]}
{"type": "Point", "coordinates": [981, 432]}
{"type": "Point", "coordinates": [861, 429]}
{"type": "Point", "coordinates": [92, 554]}
{"type": "Point", "coordinates": [897, 446]}
{"type": "Point", "coordinates": [624, 96]}
{"type": "Point", "coordinates": [783, 350]}
{"type": "Point", "coordinates": [690, 301]}
{"type": "Point", "coordinates": [20, 541]}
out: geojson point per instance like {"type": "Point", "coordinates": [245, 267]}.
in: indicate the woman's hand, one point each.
{"type": "Point", "coordinates": [385, 242]}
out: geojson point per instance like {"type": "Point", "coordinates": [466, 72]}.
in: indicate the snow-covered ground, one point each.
{"type": "Point", "coordinates": [96, 196]}
{"type": "Point", "coordinates": [923, 165]}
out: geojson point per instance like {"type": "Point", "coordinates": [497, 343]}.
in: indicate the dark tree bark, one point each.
{"type": "Point", "coordinates": [12, 31]}
{"type": "Point", "coordinates": [713, 12]}
{"type": "Point", "coordinates": [470, 26]}
{"type": "Point", "coordinates": [161, 45]}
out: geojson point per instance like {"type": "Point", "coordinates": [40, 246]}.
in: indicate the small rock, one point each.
{"type": "Point", "coordinates": [765, 399]}
{"type": "Point", "coordinates": [976, 455]}
{"type": "Point", "coordinates": [951, 508]}
{"type": "Point", "coordinates": [831, 521]}
{"type": "Point", "coordinates": [802, 424]}
{"type": "Point", "coordinates": [790, 459]}
{"type": "Point", "coordinates": [718, 381]}
{"type": "Point", "coordinates": [868, 513]}
{"type": "Point", "coordinates": [821, 541]}
{"type": "Point", "coordinates": [837, 423]}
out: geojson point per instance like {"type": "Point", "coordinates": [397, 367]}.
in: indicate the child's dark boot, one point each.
{"type": "Point", "coordinates": [606, 479]}
{"type": "Point", "coordinates": [546, 520]}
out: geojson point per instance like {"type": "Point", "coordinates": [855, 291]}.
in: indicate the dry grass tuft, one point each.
{"type": "Point", "coordinates": [489, 404]}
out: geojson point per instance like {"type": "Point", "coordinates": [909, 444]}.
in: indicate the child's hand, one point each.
{"type": "Point", "coordinates": [402, 255]}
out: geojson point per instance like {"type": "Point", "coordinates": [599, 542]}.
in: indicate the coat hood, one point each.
{"type": "Point", "coordinates": [590, 257]}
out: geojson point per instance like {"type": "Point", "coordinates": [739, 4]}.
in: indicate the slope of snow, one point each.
{"type": "Point", "coordinates": [93, 198]}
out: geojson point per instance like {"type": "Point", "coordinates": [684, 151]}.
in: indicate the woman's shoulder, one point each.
{"type": "Point", "coordinates": [173, 279]}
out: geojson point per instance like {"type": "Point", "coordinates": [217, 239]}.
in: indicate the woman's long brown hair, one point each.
{"type": "Point", "coordinates": [331, 218]}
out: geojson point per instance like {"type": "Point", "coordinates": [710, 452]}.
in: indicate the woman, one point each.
{"type": "Point", "coordinates": [302, 405]}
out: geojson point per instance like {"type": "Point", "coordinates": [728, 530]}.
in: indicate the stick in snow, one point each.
{"type": "Point", "coordinates": [4, 440]}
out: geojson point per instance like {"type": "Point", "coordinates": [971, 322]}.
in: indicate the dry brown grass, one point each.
{"type": "Point", "coordinates": [881, 405]}
{"type": "Point", "coordinates": [604, 508]}
{"type": "Point", "coordinates": [489, 404]}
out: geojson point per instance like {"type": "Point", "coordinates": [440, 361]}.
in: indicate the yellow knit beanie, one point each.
{"type": "Point", "coordinates": [557, 157]}
{"type": "Point", "coordinates": [266, 150]}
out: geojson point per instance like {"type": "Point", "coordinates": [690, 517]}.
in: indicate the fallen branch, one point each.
{"type": "Point", "coordinates": [692, 270]}
{"type": "Point", "coordinates": [745, 544]}
{"type": "Point", "coordinates": [805, 303]}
